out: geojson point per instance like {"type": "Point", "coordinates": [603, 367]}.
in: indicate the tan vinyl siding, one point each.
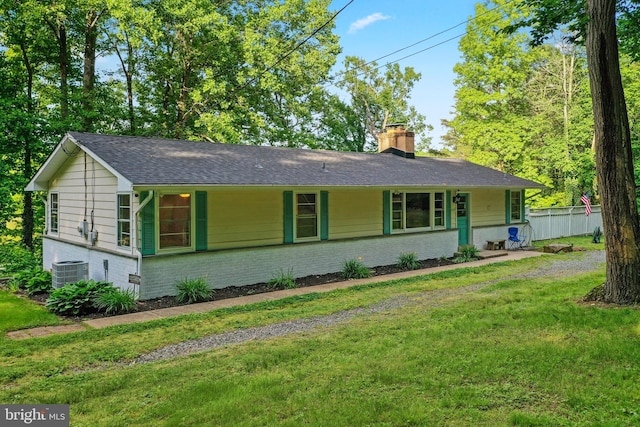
{"type": "Point", "coordinates": [244, 218]}
{"type": "Point", "coordinates": [101, 188]}
{"type": "Point", "coordinates": [355, 213]}
{"type": "Point", "coordinates": [487, 207]}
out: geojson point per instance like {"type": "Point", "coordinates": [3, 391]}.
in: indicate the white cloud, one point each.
{"type": "Point", "coordinates": [364, 22]}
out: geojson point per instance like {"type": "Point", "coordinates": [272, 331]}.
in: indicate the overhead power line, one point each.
{"type": "Point", "coordinates": [297, 46]}
{"type": "Point", "coordinates": [417, 43]}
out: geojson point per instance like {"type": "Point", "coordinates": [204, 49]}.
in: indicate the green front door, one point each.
{"type": "Point", "coordinates": [462, 218]}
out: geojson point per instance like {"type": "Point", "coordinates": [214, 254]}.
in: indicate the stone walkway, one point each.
{"type": "Point", "coordinates": [44, 331]}
{"type": "Point", "coordinates": [145, 316]}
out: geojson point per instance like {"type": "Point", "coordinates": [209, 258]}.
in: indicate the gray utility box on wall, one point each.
{"type": "Point", "coordinates": [69, 272]}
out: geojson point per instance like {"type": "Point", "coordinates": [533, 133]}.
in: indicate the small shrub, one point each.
{"type": "Point", "coordinates": [282, 280]}
{"type": "Point", "coordinates": [355, 269]}
{"type": "Point", "coordinates": [467, 254]}
{"type": "Point", "coordinates": [21, 278]}
{"type": "Point", "coordinates": [34, 281]}
{"type": "Point", "coordinates": [75, 299]}
{"type": "Point", "coordinates": [190, 291]}
{"type": "Point", "coordinates": [15, 258]}
{"type": "Point", "coordinates": [115, 301]}
{"type": "Point", "coordinates": [40, 283]}
{"type": "Point", "coordinates": [408, 261]}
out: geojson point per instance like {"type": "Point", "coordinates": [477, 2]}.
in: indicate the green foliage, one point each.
{"type": "Point", "coordinates": [483, 335]}
{"type": "Point", "coordinates": [76, 299]}
{"type": "Point", "coordinates": [467, 253]}
{"type": "Point", "coordinates": [115, 301]}
{"type": "Point", "coordinates": [190, 291]}
{"type": "Point", "coordinates": [524, 110]}
{"type": "Point", "coordinates": [15, 258]}
{"type": "Point", "coordinates": [21, 278]}
{"type": "Point", "coordinates": [408, 261]}
{"type": "Point", "coordinates": [38, 282]}
{"type": "Point", "coordinates": [198, 69]}
{"type": "Point", "coordinates": [355, 269]}
{"type": "Point", "coordinates": [283, 280]}
{"type": "Point", "coordinates": [378, 99]}
{"type": "Point", "coordinates": [22, 313]}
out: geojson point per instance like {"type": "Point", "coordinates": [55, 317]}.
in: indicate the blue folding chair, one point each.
{"type": "Point", "coordinates": [514, 241]}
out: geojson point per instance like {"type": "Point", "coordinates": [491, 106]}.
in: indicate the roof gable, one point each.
{"type": "Point", "coordinates": [69, 147]}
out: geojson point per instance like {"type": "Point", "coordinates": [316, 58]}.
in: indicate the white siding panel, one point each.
{"type": "Point", "coordinates": [83, 192]}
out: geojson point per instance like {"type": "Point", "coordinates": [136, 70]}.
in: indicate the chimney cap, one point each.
{"type": "Point", "coordinates": [395, 126]}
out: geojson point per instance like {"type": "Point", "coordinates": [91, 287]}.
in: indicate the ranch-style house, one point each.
{"type": "Point", "coordinates": [144, 213]}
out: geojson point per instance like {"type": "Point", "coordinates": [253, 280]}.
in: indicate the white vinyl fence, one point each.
{"type": "Point", "coordinates": [550, 223]}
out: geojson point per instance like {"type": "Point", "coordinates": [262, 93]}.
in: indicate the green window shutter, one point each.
{"type": "Point", "coordinates": [201, 221]}
{"type": "Point", "coordinates": [386, 212]}
{"type": "Point", "coordinates": [447, 210]}
{"type": "Point", "coordinates": [288, 216]}
{"type": "Point", "coordinates": [147, 226]}
{"type": "Point", "coordinates": [507, 206]}
{"type": "Point", "coordinates": [522, 210]}
{"type": "Point", "coordinates": [324, 215]}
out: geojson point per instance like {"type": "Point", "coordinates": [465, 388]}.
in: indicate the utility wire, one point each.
{"type": "Point", "coordinates": [286, 55]}
{"type": "Point", "coordinates": [417, 43]}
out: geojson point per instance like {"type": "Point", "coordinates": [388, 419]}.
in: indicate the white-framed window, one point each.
{"type": "Point", "coordinates": [306, 220]}
{"type": "Point", "coordinates": [516, 206]}
{"type": "Point", "coordinates": [54, 210]}
{"type": "Point", "coordinates": [439, 209]}
{"type": "Point", "coordinates": [174, 219]}
{"type": "Point", "coordinates": [417, 211]}
{"type": "Point", "coordinates": [124, 220]}
{"type": "Point", "coordinates": [397, 211]}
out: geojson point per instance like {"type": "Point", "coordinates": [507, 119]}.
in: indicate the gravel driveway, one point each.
{"type": "Point", "coordinates": [561, 266]}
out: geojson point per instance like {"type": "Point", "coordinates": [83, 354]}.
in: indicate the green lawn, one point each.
{"type": "Point", "coordinates": [518, 352]}
{"type": "Point", "coordinates": [20, 313]}
{"type": "Point", "coordinates": [582, 242]}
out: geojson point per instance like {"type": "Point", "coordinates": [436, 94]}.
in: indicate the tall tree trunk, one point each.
{"type": "Point", "coordinates": [27, 210]}
{"type": "Point", "coordinates": [613, 156]}
{"type": "Point", "coordinates": [63, 59]}
{"type": "Point", "coordinates": [127, 69]}
{"type": "Point", "coordinates": [89, 74]}
{"type": "Point", "coordinates": [129, 74]}
{"type": "Point", "coordinates": [181, 116]}
{"type": "Point", "coordinates": [60, 33]}
{"type": "Point", "coordinates": [165, 107]}
{"type": "Point", "coordinates": [27, 201]}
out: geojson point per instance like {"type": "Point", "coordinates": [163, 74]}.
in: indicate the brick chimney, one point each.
{"type": "Point", "coordinates": [398, 141]}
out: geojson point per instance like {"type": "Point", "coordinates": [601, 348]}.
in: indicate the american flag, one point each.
{"type": "Point", "coordinates": [587, 203]}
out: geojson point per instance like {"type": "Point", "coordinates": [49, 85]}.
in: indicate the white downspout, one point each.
{"type": "Point", "coordinates": [136, 217]}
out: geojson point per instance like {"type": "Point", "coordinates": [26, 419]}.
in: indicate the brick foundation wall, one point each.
{"type": "Point", "coordinates": [119, 266]}
{"type": "Point", "coordinates": [247, 266]}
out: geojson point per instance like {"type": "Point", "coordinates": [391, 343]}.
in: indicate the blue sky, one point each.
{"type": "Point", "coordinates": [374, 28]}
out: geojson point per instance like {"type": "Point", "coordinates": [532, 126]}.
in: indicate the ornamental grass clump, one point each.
{"type": "Point", "coordinates": [283, 280]}
{"type": "Point", "coordinates": [467, 254]}
{"type": "Point", "coordinates": [116, 301]}
{"type": "Point", "coordinates": [408, 261]}
{"type": "Point", "coordinates": [190, 291]}
{"type": "Point", "coordinates": [355, 269]}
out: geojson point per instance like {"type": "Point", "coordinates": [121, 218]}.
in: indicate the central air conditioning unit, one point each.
{"type": "Point", "coordinates": [69, 272]}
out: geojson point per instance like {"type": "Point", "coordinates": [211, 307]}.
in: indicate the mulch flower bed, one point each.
{"type": "Point", "coordinates": [239, 291]}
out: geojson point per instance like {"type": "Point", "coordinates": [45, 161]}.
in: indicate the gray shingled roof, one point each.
{"type": "Point", "coordinates": [155, 161]}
